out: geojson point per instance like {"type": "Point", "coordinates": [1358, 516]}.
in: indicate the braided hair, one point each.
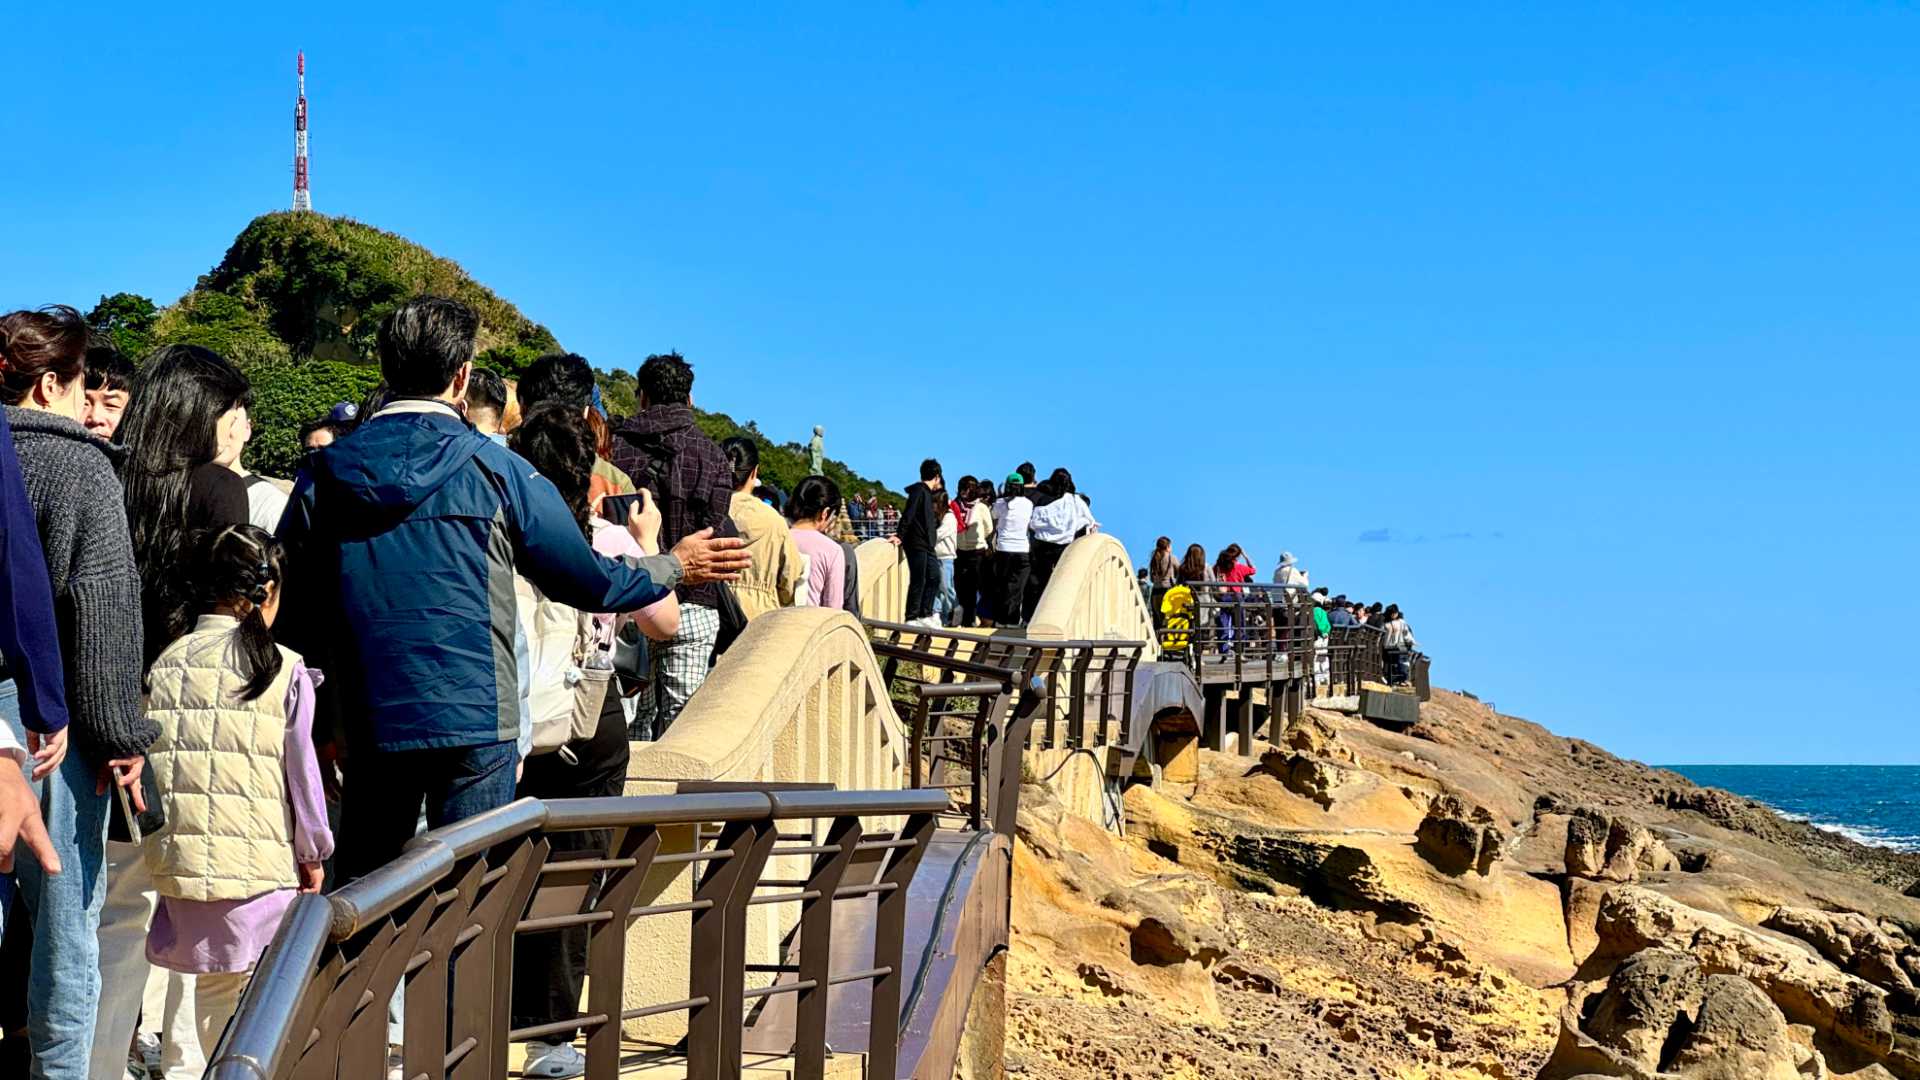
{"type": "Point", "coordinates": [236, 566]}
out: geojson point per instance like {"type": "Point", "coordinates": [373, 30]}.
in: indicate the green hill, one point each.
{"type": "Point", "coordinates": [297, 301]}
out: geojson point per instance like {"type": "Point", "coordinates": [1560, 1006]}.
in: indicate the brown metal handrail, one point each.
{"type": "Point", "coordinates": [1089, 684]}
{"type": "Point", "coordinates": [979, 701]}
{"type": "Point", "coordinates": [441, 920]}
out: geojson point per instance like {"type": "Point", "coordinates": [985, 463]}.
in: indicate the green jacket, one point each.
{"type": "Point", "coordinates": [1320, 624]}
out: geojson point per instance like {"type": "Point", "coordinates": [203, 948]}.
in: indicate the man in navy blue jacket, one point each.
{"type": "Point", "coordinates": [404, 545]}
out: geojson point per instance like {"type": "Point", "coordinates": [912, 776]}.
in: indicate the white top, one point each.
{"type": "Point", "coordinates": [1398, 635]}
{"type": "Point", "coordinates": [946, 541]}
{"type": "Point", "coordinates": [1061, 520]}
{"type": "Point", "coordinates": [265, 503]}
{"type": "Point", "coordinates": [10, 745]}
{"type": "Point", "coordinates": [1290, 575]}
{"type": "Point", "coordinates": [1010, 518]}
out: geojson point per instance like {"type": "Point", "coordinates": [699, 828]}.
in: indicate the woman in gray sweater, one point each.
{"type": "Point", "coordinates": [78, 506]}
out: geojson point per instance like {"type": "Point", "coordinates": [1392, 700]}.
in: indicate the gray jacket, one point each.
{"type": "Point", "coordinates": [78, 503]}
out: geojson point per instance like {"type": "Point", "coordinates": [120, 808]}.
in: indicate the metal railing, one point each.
{"type": "Point", "coordinates": [1358, 654]}
{"type": "Point", "coordinates": [441, 920]}
{"type": "Point", "coordinates": [972, 693]}
{"type": "Point", "coordinates": [871, 528]}
{"type": "Point", "coordinates": [1242, 633]}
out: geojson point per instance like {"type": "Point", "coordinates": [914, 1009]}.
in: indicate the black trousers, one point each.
{"type": "Point", "coordinates": [550, 969]}
{"type": "Point", "coordinates": [923, 583]}
{"type": "Point", "coordinates": [1012, 567]}
{"type": "Point", "coordinates": [968, 579]}
{"type": "Point", "coordinates": [1045, 557]}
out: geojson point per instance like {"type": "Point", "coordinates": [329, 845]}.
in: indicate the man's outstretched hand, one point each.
{"type": "Point", "coordinates": [704, 558]}
{"type": "Point", "coordinates": [20, 820]}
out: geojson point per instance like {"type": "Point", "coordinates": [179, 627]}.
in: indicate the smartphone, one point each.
{"type": "Point", "coordinates": [616, 508]}
{"type": "Point", "coordinates": [134, 833]}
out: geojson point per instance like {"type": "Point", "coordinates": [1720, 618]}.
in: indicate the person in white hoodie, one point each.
{"type": "Point", "coordinates": [1289, 571]}
{"type": "Point", "coordinates": [946, 548]}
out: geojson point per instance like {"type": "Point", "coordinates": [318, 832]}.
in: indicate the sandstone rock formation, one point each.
{"type": "Point", "coordinates": [1459, 838]}
{"type": "Point", "coordinates": [1472, 899]}
{"type": "Point", "coordinates": [1612, 847]}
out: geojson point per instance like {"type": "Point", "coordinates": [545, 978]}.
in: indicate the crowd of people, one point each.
{"type": "Point", "coordinates": [976, 554]}
{"type": "Point", "coordinates": [983, 555]}
{"type": "Point", "coordinates": [1166, 585]}
{"type": "Point", "coordinates": [222, 690]}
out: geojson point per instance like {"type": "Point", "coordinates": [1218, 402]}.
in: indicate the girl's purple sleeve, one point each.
{"type": "Point", "coordinates": [312, 840]}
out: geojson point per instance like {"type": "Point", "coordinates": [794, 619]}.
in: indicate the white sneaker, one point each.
{"type": "Point", "coordinates": [553, 1061]}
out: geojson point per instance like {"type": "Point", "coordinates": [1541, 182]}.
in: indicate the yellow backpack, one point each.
{"type": "Point", "coordinates": [1176, 623]}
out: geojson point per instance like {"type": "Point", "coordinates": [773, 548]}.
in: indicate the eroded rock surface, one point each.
{"type": "Point", "coordinates": [1473, 899]}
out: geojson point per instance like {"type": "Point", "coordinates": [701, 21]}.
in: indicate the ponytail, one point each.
{"type": "Point", "coordinates": [237, 566]}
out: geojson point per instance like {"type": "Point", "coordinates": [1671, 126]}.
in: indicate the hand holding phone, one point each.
{"type": "Point", "coordinates": [617, 508]}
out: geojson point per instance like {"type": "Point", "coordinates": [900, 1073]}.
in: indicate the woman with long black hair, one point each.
{"type": "Point", "coordinates": [184, 428]}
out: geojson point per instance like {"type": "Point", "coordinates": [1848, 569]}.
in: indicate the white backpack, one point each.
{"type": "Point", "coordinates": [568, 672]}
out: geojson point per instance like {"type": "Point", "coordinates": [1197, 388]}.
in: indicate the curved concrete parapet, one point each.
{"type": "Point", "coordinates": [883, 581]}
{"type": "Point", "coordinates": [799, 697]}
{"type": "Point", "coordinates": [1094, 596]}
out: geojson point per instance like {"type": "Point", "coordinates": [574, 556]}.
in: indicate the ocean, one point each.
{"type": "Point", "coordinates": [1874, 804]}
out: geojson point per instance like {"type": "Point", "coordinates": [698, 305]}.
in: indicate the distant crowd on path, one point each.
{"type": "Point", "coordinates": [976, 555]}
{"type": "Point", "coordinates": [982, 556]}
{"type": "Point", "coordinates": [222, 690]}
{"type": "Point", "coordinates": [1165, 584]}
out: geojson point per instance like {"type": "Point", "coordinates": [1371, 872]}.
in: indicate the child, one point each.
{"type": "Point", "coordinates": [237, 775]}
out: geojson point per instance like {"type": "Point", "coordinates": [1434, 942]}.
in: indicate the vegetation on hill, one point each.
{"type": "Point", "coordinates": [297, 301]}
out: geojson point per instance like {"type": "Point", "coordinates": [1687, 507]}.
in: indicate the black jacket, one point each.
{"type": "Point", "coordinates": [920, 521]}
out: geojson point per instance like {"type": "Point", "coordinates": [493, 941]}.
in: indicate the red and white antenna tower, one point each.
{"type": "Point", "coordinates": [301, 199]}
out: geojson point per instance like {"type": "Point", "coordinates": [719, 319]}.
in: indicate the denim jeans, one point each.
{"type": "Point", "coordinates": [385, 790]}
{"type": "Point", "coordinates": [946, 604]}
{"type": "Point", "coordinates": [63, 984]}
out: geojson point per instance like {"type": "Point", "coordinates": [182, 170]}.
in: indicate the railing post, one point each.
{"type": "Point", "coordinates": [889, 939]}
{"type": "Point", "coordinates": [1077, 699]}
{"type": "Point", "coordinates": [816, 950]}
{"type": "Point", "coordinates": [916, 745]}
{"type": "Point", "coordinates": [716, 974]}
{"type": "Point", "coordinates": [483, 989]}
{"type": "Point", "coordinates": [428, 990]}
{"type": "Point", "coordinates": [607, 948]}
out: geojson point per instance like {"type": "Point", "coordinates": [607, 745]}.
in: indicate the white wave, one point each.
{"type": "Point", "coordinates": [1869, 835]}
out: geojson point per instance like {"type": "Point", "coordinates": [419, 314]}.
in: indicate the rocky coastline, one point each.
{"type": "Point", "coordinates": [1474, 897]}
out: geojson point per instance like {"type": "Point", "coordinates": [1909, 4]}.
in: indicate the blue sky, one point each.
{"type": "Point", "coordinates": [1586, 336]}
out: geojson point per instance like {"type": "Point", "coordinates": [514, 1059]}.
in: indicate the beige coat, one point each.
{"type": "Point", "coordinates": [778, 568]}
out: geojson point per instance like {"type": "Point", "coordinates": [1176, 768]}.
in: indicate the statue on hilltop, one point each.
{"type": "Point", "coordinates": [817, 452]}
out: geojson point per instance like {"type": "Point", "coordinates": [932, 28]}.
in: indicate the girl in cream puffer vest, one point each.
{"type": "Point", "coordinates": [237, 774]}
